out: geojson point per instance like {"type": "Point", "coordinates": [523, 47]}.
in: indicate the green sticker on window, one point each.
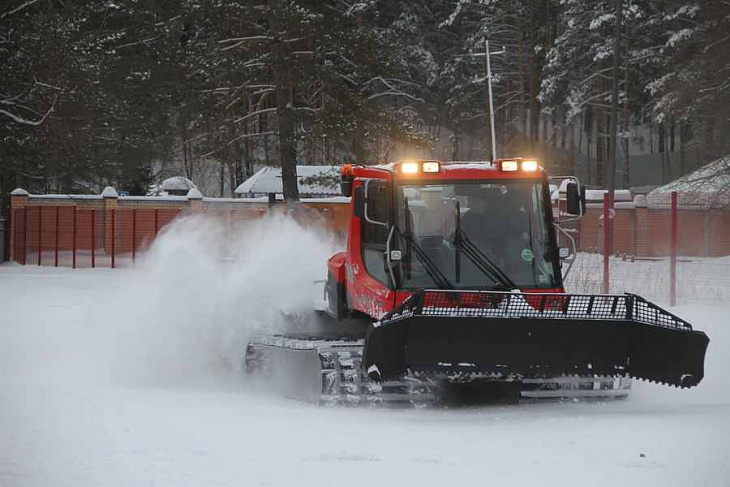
{"type": "Point", "coordinates": [527, 255]}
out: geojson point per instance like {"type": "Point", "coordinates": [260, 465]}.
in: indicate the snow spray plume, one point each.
{"type": "Point", "coordinates": [204, 288]}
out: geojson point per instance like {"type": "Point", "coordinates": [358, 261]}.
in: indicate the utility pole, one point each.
{"type": "Point", "coordinates": [491, 102]}
{"type": "Point", "coordinates": [614, 100]}
{"type": "Point", "coordinates": [487, 55]}
{"type": "Point", "coordinates": [614, 116]}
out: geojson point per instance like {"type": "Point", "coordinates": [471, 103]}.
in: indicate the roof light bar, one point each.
{"type": "Point", "coordinates": [515, 165]}
{"type": "Point", "coordinates": [418, 166]}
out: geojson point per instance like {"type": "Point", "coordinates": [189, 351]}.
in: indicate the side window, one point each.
{"type": "Point", "coordinates": [374, 236]}
{"type": "Point", "coordinates": [378, 206]}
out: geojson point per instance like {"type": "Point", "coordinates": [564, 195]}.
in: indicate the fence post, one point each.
{"type": "Point", "coordinates": [110, 197]}
{"type": "Point", "coordinates": [40, 234]}
{"type": "Point", "coordinates": [606, 234]}
{"type": "Point", "coordinates": [195, 200]}
{"type": "Point", "coordinates": [134, 233]}
{"type": "Point", "coordinates": [18, 201]}
{"type": "Point", "coordinates": [25, 236]}
{"type": "Point", "coordinates": [673, 256]}
{"type": "Point", "coordinates": [14, 233]}
{"type": "Point", "coordinates": [56, 249]}
{"type": "Point", "coordinates": [74, 238]}
{"type": "Point", "coordinates": [114, 236]}
{"type": "Point", "coordinates": [93, 238]}
{"type": "Point", "coordinates": [157, 221]}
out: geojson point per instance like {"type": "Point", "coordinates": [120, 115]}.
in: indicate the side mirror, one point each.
{"type": "Point", "coordinates": [575, 199]}
{"type": "Point", "coordinates": [358, 207]}
{"type": "Point", "coordinates": [346, 188]}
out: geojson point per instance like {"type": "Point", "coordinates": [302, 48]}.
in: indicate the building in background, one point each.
{"type": "Point", "coordinates": [314, 182]}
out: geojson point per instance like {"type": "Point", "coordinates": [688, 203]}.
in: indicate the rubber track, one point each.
{"type": "Point", "coordinates": [342, 378]}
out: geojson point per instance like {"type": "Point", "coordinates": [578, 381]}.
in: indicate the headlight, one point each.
{"type": "Point", "coordinates": [510, 166]}
{"type": "Point", "coordinates": [409, 167]}
{"type": "Point", "coordinates": [431, 167]}
{"type": "Point", "coordinates": [529, 165]}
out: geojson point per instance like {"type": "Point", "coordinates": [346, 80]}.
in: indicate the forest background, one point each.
{"type": "Point", "coordinates": [129, 92]}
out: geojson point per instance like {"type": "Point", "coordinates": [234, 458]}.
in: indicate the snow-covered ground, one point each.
{"type": "Point", "coordinates": [129, 377]}
{"type": "Point", "coordinates": [700, 280]}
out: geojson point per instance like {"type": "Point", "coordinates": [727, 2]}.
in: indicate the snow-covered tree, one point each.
{"type": "Point", "coordinates": [325, 74]}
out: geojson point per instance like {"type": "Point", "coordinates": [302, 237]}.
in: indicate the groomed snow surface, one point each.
{"type": "Point", "coordinates": [130, 378]}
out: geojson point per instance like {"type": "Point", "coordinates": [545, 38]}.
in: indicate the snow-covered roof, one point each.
{"type": "Point", "coordinates": [109, 192]}
{"type": "Point", "coordinates": [177, 183]}
{"type": "Point", "coordinates": [313, 180]}
{"type": "Point", "coordinates": [707, 187]}
{"type": "Point", "coordinates": [643, 190]}
{"type": "Point", "coordinates": [596, 195]}
{"type": "Point", "coordinates": [194, 194]}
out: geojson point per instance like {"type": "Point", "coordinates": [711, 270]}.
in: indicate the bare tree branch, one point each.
{"type": "Point", "coordinates": [238, 41]}
{"type": "Point", "coordinates": [244, 136]}
{"type": "Point", "coordinates": [25, 121]}
{"type": "Point", "coordinates": [18, 8]}
{"type": "Point", "coordinates": [257, 112]}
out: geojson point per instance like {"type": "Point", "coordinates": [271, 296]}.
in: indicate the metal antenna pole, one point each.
{"type": "Point", "coordinates": [491, 102]}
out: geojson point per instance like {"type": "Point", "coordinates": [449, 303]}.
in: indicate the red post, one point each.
{"type": "Point", "coordinates": [74, 239]}
{"type": "Point", "coordinates": [134, 233]}
{"type": "Point", "coordinates": [673, 257]}
{"type": "Point", "coordinates": [15, 225]}
{"type": "Point", "coordinates": [93, 238]}
{"type": "Point", "coordinates": [40, 234]}
{"type": "Point", "coordinates": [25, 233]}
{"type": "Point", "coordinates": [114, 236]}
{"type": "Point", "coordinates": [157, 221]}
{"type": "Point", "coordinates": [606, 234]}
{"type": "Point", "coordinates": [56, 249]}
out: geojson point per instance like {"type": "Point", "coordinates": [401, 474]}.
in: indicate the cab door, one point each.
{"type": "Point", "coordinates": [368, 280]}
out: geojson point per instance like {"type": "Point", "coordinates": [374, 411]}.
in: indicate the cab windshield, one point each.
{"type": "Point", "coordinates": [505, 220]}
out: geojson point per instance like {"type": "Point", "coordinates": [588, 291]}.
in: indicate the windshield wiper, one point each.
{"type": "Point", "coordinates": [431, 269]}
{"type": "Point", "coordinates": [474, 254]}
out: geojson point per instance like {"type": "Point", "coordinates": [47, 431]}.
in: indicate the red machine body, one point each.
{"type": "Point", "coordinates": [351, 288]}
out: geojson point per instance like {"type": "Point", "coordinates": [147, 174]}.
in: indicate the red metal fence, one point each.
{"type": "Point", "coordinates": [671, 254]}
{"type": "Point", "coordinates": [95, 231]}
{"type": "Point", "coordinates": [668, 252]}
{"type": "Point", "coordinates": [69, 236]}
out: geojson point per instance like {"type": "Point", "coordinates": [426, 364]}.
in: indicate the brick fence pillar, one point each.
{"type": "Point", "coordinates": [110, 203]}
{"type": "Point", "coordinates": [709, 219]}
{"type": "Point", "coordinates": [195, 200]}
{"type": "Point", "coordinates": [18, 201]}
{"type": "Point", "coordinates": [641, 229]}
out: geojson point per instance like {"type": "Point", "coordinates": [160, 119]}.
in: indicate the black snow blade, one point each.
{"type": "Point", "coordinates": [502, 335]}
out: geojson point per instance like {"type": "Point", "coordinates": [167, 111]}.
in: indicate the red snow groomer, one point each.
{"type": "Point", "coordinates": [452, 274]}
